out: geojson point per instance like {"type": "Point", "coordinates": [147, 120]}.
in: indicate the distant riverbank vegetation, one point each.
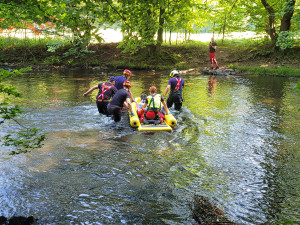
{"type": "Point", "coordinates": [252, 56]}
{"type": "Point", "coordinates": [67, 33]}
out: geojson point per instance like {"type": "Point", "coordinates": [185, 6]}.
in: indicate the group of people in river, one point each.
{"type": "Point", "coordinates": [115, 96]}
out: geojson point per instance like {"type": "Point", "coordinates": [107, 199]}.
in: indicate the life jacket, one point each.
{"type": "Point", "coordinates": [154, 102]}
{"type": "Point", "coordinates": [103, 90]}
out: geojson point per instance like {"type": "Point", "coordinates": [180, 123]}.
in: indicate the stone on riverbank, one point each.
{"type": "Point", "coordinates": [221, 72]}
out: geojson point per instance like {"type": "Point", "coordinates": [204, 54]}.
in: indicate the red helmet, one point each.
{"type": "Point", "coordinates": [127, 72]}
{"type": "Point", "coordinates": [127, 83]}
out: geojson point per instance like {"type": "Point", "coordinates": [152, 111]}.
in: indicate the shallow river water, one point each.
{"type": "Point", "coordinates": [236, 142]}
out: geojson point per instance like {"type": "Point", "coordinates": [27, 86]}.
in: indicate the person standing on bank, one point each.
{"type": "Point", "coordinates": [106, 92]}
{"type": "Point", "coordinates": [175, 85]}
{"type": "Point", "coordinates": [121, 79]}
{"type": "Point", "coordinates": [120, 99]}
{"type": "Point", "coordinates": [212, 53]}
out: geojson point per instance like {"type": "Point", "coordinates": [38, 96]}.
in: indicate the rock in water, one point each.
{"type": "Point", "coordinates": [206, 213]}
{"type": "Point", "coordinates": [21, 220]}
{"type": "Point", "coordinates": [221, 72]}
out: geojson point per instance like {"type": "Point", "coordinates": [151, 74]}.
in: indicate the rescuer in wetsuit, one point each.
{"type": "Point", "coordinates": [119, 81]}
{"type": "Point", "coordinates": [175, 85]}
{"type": "Point", "coordinates": [120, 99]}
{"type": "Point", "coordinates": [106, 92]}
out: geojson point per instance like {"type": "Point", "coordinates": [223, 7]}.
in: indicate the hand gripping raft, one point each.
{"type": "Point", "coordinates": [167, 125]}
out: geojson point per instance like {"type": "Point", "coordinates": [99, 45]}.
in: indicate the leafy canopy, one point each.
{"type": "Point", "coordinates": [23, 140]}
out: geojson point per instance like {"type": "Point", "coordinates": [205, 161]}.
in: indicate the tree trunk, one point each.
{"type": "Point", "coordinates": [287, 17]}
{"type": "Point", "coordinates": [160, 30]}
{"type": "Point", "coordinates": [161, 24]}
{"type": "Point", "coordinates": [165, 36]}
{"type": "Point", "coordinates": [271, 27]}
{"type": "Point", "coordinates": [223, 29]}
{"type": "Point", "coordinates": [170, 39]}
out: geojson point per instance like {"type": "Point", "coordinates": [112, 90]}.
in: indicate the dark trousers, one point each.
{"type": "Point", "coordinates": [102, 107]}
{"type": "Point", "coordinates": [175, 99]}
{"type": "Point", "coordinates": [115, 111]}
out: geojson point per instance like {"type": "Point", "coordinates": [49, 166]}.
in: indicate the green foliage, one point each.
{"type": "Point", "coordinates": [142, 20]}
{"type": "Point", "coordinates": [285, 40]}
{"type": "Point", "coordinates": [53, 45]}
{"type": "Point", "coordinates": [52, 60]}
{"type": "Point", "coordinates": [131, 44]}
{"type": "Point", "coordinates": [23, 140]}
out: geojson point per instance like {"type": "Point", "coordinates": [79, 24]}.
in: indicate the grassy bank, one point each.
{"type": "Point", "coordinates": [253, 56]}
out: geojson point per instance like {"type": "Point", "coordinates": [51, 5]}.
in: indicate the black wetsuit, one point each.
{"type": "Point", "coordinates": [175, 95]}
{"type": "Point", "coordinates": [116, 104]}
{"type": "Point", "coordinates": [106, 91]}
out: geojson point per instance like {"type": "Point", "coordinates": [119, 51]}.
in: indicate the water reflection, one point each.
{"type": "Point", "coordinates": [212, 82]}
{"type": "Point", "coordinates": [236, 142]}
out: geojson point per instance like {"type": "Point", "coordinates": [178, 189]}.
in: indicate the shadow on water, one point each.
{"type": "Point", "coordinates": [236, 143]}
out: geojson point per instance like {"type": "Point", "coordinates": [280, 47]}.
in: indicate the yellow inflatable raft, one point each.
{"type": "Point", "coordinates": [169, 123]}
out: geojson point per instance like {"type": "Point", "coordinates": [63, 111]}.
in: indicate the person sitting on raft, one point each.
{"type": "Point", "coordinates": [153, 113]}
{"type": "Point", "coordinates": [139, 106]}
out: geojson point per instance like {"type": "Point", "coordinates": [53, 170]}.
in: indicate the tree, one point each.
{"type": "Point", "coordinates": [144, 21]}
{"type": "Point", "coordinates": [76, 20]}
{"type": "Point", "coordinates": [278, 11]}
{"type": "Point", "coordinates": [274, 17]}
{"type": "Point", "coordinates": [24, 140]}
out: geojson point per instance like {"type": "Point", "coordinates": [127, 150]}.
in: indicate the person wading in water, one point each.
{"type": "Point", "coordinates": [175, 84]}
{"type": "Point", "coordinates": [120, 99]}
{"type": "Point", "coordinates": [106, 92]}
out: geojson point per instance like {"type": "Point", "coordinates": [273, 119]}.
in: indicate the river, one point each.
{"type": "Point", "coordinates": [236, 142]}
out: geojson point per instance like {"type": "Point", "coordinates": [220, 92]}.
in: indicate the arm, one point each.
{"type": "Point", "coordinates": [145, 105]}
{"type": "Point", "coordinates": [131, 95]}
{"type": "Point", "coordinates": [90, 90]}
{"type": "Point", "coordinates": [167, 90]}
{"type": "Point", "coordinates": [128, 104]}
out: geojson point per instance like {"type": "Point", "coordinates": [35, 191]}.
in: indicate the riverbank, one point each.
{"type": "Point", "coordinates": [255, 57]}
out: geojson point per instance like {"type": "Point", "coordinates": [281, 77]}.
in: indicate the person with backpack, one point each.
{"type": "Point", "coordinates": [153, 112]}
{"type": "Point", "coordinates": [106, 91]}
{"type": "Point", "coordinates": [175, 86]}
